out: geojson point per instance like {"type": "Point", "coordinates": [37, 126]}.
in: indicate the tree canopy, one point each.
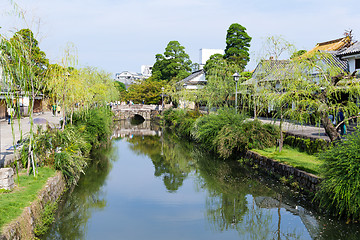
{"type": "Point", "coordinates": [174, 63]}
{"type": "Point", "coordinates": [237, 45]}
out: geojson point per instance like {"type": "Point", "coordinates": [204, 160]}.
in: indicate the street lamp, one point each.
{"type": "Point", "coordinates": [162, 98]}
{"type": "Point", "coordinates": [236, 77]}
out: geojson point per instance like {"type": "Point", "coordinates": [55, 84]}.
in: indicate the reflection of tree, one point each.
{"type": "Point", "coordinates": [171, 161]}
{"type": "Point", "coordinates": [77, 205]}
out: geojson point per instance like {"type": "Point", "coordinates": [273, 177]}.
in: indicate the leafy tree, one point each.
{"type": "Point", "coordinates": [25, 44]}
{"type": "Point", "coordinates": [297, 54]}
{"type": "Point", "coordinates": [237, 45]}
{"type": "Point", "coordinates": [121, 88]}
{"type": "Point", "coordinates": [220, 82]}
{"type": "Point", "coordinates": [174, 63]}
{"type": "Point", "coordinates": [147, 90]}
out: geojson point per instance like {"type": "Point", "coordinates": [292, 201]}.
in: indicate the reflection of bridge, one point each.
{"type": "Point", "coordinates": [124, 128]}
{"type": "Point", "coordinates": [129, 111]}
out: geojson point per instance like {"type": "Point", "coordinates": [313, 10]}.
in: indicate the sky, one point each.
{"type": "Point", "coordinates": [122, 35]}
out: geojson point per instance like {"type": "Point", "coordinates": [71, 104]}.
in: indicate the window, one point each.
{"type": "Point", "coordinates": [357, 63]}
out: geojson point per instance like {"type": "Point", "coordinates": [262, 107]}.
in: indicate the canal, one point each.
{"type": "Point", "coordinates": [151, 185]}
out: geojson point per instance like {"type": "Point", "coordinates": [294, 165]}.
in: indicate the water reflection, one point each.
{"type": "Point", "coordinates": [78, 204]}
{"type": "Point", "coordinates": [231, 201]}
{"type": "Point", "coordinates": [127, 128]}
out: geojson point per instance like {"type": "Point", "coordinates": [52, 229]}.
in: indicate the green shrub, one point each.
{"type": "Point", "coordinates": [306, 145]}
{"type": "Point", "coordinates": [181, 121]}
{"type": "Point", "coordinates": [207, 127]}
{"type": "Point", "coordinates": [340, 189]}
{"type": "Point", "coordinates": [96, 124]}
{"type": "Point", "coordinates": [242, 137]}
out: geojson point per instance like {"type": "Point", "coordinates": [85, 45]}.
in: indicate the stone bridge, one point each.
{"type": "Point", "coordinates": [147, 112]}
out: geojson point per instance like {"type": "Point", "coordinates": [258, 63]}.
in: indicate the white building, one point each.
{"type": "Point", "coordinates": [206, 53]}
{"type": "Point", "coordinates": [129, 78]}
{"type": "Point", "coordinates": [146, 70]}
{"type": "Point", "coordinates": [352, 55]}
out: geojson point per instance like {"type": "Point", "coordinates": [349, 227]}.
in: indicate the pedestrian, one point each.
{"type": "Point", "coordinates": [10, 112]}
{"type": "Point", "coordinates": [341, 118]}
{"type": "Point", "coordinates": [54, 109]}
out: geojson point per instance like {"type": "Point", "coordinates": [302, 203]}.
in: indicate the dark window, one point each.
{"type": "Point", "coordinates": [357, 63]}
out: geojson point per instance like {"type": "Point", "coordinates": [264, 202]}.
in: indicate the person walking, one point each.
{"type": "Point", "coordinates": [340, 118]}
{"type": "Point", "coordinates": [54, 110]}
{"type": "Point", "coordinates": [10, 112]}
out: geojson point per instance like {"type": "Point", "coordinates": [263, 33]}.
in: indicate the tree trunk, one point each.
{"type": "Point", "coordinates": [329, 127]}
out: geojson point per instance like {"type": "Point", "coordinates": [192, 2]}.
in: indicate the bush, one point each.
{"type": "Point", "coordinates": [207, 127]}
{"type": "Point", "coordinates": [340, 191]}
{"type": "Point", "coordinates": [306, 145]}
{"type": "Point", "coordinates": [181, 121]}
{"type": "Point", "coordinates": [96, 124]}
{"type": "Point", "coordinates": [239, 138]}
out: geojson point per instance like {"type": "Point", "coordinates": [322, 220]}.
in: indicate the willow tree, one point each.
{"type": "Point", "coordinates": [24, 66]}
{"type": "Point", "coordinates": [310, 88]}
{"type": "Point", "coordinates": [220, 85]}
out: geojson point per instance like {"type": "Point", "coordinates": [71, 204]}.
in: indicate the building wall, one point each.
{"type": "Point", "coordinates": [206, 53]}
{"type": "Point", "coordinates": [2, 109]}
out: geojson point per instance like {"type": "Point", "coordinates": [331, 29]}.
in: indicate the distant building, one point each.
{"type": "Point", "coordinates": [129, 78]}
{"type": "Point", "coordinates": [146, 70]}
{"type": "Point", "coordinates": [206, 53]}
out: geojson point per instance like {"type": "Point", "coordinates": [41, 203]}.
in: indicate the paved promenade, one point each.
{"type": "Point", "coordinates": [305, 130]}
{"type": "Point", "coordinates": [6, 137]}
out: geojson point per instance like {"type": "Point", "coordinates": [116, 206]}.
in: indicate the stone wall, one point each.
{"type": "Point", "coordinates": [305, 180]}
{"type": "Point", "coordinates": [23, 226]}
{"type": "Point", "coordinates": [7, 178]}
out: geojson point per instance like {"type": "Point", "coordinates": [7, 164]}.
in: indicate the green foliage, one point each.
{"type": "Point", "coordinates": [148, 90]}
{"type": "Point", "coordinates": [47, 217]}
{"type": "Point", "coordinates": [306, 145]}
{"type": "Point", "coordinates": [95, 124]}
{"type": "Point", "coordinates": [340, 191]}
{"type": "Point", "coordinates": [237, 45]}
{"type": "Point", "coordinates": [13, 203]}
{"type": "Point", "coordinates": [239, 138]}
{"type": "Point", "coordinates": [220, 82]}
{"type": "Point", "coordinates": [207, 127]}
{"type": "Point", "coordinates": [174, 63]}
{"type": "Point", "coordinates": [181, 121]}
{"type": "Point", "coordinates": [293, 157]}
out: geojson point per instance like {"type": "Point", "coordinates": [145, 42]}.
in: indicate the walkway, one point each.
{"type": "Point", "coordinates": [6, 137]}
{"type": "Point", "coordinates": [298, 129]}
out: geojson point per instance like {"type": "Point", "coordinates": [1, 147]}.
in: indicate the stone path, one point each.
{"type": "Point", "coordinates": [6, 136]}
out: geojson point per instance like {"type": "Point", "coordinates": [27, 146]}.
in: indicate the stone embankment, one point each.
{"type": "Point", "coordinates": [23, 226]}
{"type": "Point", "coordinates": [305, 180]}
{"type": "Point", "coordinates": [7, 178]}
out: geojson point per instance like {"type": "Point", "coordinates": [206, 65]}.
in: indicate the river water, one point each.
{"type": "Point", "coordinates": [152, 185]}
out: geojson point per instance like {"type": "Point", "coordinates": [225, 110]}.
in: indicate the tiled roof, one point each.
{"type": "Point", "coordinates": [192, 76]}
{"type": "Point", "coordinates": [354, 49]}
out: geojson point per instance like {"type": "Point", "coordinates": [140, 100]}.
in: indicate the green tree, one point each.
{"type": "Point", "coordinates": [237, 45]}
{"type": "Point", "coordinates": [174, 63]}
{"type": "Point", "coordinates": [220, 82]}
{"type": "Point", "coordinates": [147, 90]}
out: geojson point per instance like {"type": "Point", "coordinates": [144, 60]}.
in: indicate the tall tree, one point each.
{"type": "Point", "coordinates": [237, 45]}
{"type": "Point", "coordinates": [174, 63]}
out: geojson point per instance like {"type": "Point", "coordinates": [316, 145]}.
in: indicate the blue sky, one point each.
{"type": "Point", "coordinates": [119, 35]}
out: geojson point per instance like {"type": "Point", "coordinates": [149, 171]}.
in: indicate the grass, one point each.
{"type": "Point", "coordinates": [13, 203]}
{"type": "Point", "coordinates": [293, 157]}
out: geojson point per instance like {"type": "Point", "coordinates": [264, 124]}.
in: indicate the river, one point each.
{"type": "Point", "coordinates": [156, 186]}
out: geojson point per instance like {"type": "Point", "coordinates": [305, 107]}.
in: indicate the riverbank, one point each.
{"type": "Point", "coordinates": [66, 151]}
{"type": "Point", "coordinates": [231, 136]}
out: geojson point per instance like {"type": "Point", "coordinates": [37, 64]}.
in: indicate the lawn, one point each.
{"type": "Point", "coordinates": [293, 157]}
{"type": "Point", "coordinates": [13, 203]}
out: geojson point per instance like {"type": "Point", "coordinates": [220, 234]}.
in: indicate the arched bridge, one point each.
{"type": "Point", "coordinates": [129, 111]}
